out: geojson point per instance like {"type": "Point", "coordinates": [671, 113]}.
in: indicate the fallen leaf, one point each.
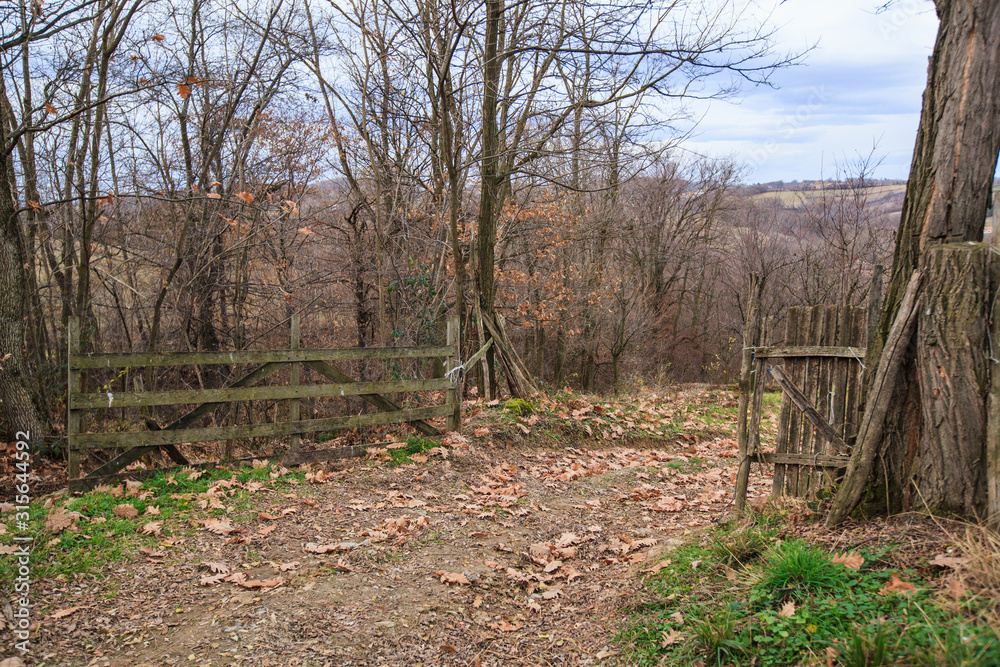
{"type": "Point", "coordinates": [956, 589]}
{"type": "Point", "coordinates": [217, 567]}
{"type": "Point", "coordinates": [219, 527]}
{"type": "Point", "coordinates": [152, 528]}
{"type": "Point", "coordinates": [125, 511]}
{"type": "Point", "coordinates": [63, 613]}
{"type": "Point", "coordinates": [787, 610]}
{"type": "Point", "coordinates": [653, 569]}
{"type": "Point", "coordinates": [267, 530]}
{"type": "Point", "coordinates": [478, 602]}
{"type": "Point", "coordinates": [943, 560]}
{"type": "Point", "coordinates": [452, 577]}
{"type": "Point", "coordinates": [534, 606]}
{"type": "Point", "coordinates": [896, 585]}
{"type": "Point", "coordinates": [264, 516]}
{"type": "Point", "coordinates": [212, 579]}
{"type": "Point", "coordinates": [504, 626]}
{"type": "Point", "coordinates": [677, 618]}
{"type": "Point", "coordinates": [152, 553]}
{"type": "Point", "coordinates": [670, 638]}
{"type": "Point", "coordinates": [850, 560]}
{"type": "Point", "coordinates": [59, 520]}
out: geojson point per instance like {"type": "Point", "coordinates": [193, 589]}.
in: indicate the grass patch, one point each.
{"type": "Point", "coordinates": [739, 596]}
{"type": "Point", "coordinates": [414, 445]}
{"type": "Point", "coordinates": [103, 538]}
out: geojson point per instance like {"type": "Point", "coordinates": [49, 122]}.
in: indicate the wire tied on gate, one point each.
{"type": "Point", "coordinates": [456, 373]}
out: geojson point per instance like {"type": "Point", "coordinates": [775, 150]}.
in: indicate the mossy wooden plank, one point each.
{"type": "Point", "coordinates": [275, 430]}
{"type": "Point", "coordinates": [380, 402]}
{"type": "Point", "coordinates": [279, 393]}
{"type": "Point", "coordinates": [143, 359]}
{"type": "Point", "coordinates": [802, 460]}
{"type": "Point", "coordinates": [251, 378]}
{"type": "Point", "coordinates": [785, 351]}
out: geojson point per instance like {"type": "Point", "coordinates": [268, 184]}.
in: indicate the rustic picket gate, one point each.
{"type": "Point", "coordinates": [138, 443]}
{"type": "Point", "coordinates": [819, 367]}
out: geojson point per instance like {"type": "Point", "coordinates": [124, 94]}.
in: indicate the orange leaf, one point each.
{"type": "Point", "coordinates": [213, 195]}
{"type": "Point", "coordinates": [245, 196]}
{"type": "Point", "coordinates": [183, 90]}
{"type": "Point", "coordinates": [50, 109]}
{"type": "Point", "coordinates": [452, 577]}
{"type": "Point", "coordinates": [897, 586]}
{"type": "Point", "coordinates": [158, 38]}
{"type": "Point", "coordinates": [850, 560]}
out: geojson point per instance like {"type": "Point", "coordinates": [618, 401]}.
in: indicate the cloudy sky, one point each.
{"type": "Point", "coordinates": [860, 86]}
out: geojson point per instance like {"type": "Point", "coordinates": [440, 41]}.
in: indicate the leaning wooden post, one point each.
{"type": "Point", "coordinates": [293, 381]}
{"type": "Point", "coordinates": [452, 363]}
{"type": "Point", "coordinates": [869, 438]}
{"type": "Point", "coordinates": [72, 387]}
{"type": "Point", "coordinates": [993, 414]}
{"type": "Point", "coordinates": [751, 339]}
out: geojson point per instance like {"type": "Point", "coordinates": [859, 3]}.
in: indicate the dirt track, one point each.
{"type": "Point", "coordinates": [545, 545]}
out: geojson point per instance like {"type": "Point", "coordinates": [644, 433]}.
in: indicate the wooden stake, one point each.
{"type": "Point", "coordinates": [751, 339]}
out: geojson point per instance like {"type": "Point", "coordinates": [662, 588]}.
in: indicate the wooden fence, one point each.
{"type": "Point", "coordinates": [183, 429]}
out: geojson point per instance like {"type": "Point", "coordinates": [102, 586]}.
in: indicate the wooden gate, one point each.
{"type": "Point", "coordinates": [819, 368]}
{"type": "Point", "coordinates": [133, 444]}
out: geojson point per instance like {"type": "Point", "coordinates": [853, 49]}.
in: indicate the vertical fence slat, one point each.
{"type": "Point", "coordinates": [452, 395]}
{"type": "Point", "coordinates": [293, 380]}
{"type": "Point", "coordinates": [784, 420]}
{"type": "Point", "coordinates": [73, 417]}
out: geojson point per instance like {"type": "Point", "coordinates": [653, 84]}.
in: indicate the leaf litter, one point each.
{"type": "Point", "coordinates": [508, 555]}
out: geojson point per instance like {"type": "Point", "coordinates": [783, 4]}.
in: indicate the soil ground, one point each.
{"type": "Point", "coordinates": [496, 550]}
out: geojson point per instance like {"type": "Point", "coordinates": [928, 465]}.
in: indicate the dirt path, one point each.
{"type": "Point", "coordinates": [477, 556]}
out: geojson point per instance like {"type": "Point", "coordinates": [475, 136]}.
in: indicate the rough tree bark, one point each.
{"type": "Point", "coordinates": [16, 403]}
{"type": "Point", "coordinates": [947, 195]}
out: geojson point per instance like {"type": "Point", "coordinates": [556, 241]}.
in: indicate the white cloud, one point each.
{"type": "Point", "coordinates": [862, 84]}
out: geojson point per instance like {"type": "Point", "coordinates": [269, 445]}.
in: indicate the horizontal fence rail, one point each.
{"type": "Point", "coordinates": [242, 390]}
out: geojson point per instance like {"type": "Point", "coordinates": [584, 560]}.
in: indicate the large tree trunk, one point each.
{"type": "Point", "coordinates": [16, 404]}
{"type": "Point", "coordinates": [946, 201]}
{"type": "Point", "coordinates": [490, 200]}
{"type": "Point", "coordinates": [947, 464]}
